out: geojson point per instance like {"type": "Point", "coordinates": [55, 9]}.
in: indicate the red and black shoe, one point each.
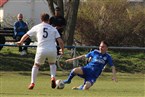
{"type": "Point", "coordinates": [53, 84]}
{"type": "Point", "coordinates": [31, 86]}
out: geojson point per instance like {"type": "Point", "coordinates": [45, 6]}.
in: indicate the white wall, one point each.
{"type": "Point", "coordinates": [1, 15]}
{"type": "Point", "coordinates": [31, 9]}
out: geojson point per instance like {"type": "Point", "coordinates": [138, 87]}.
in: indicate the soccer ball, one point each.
{"type": "Point", "coordinates": [59, 84]}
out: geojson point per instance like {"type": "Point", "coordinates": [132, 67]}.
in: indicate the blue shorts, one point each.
{"type": "Point", "coordinates": [90, 74]}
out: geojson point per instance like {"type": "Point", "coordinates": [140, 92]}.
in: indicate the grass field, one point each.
{"type": "Point", "coordinates": [14, 80]}
{"type": "Point", "coordinates": [14, 84]}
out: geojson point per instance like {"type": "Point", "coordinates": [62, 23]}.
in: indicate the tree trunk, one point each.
{"type": "Point", "coordinates": [60, 4]}
{"type": "Point", "coordinates": [71, 22]}
{"type": "Point", "coordinates": [50, 6]}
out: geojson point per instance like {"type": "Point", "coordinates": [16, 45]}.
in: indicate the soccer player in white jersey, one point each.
{"type": "Point", "coordinates": [46, 36]}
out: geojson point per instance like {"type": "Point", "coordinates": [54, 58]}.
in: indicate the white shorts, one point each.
{"type": "Point", "coordinates": [41, 56]}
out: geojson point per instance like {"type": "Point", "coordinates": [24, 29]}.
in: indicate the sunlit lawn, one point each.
{"type": "Point", "coordinates": [14, 84]}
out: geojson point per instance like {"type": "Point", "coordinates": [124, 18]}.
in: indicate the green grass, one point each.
{"type": "Point", "coordinates": [14, 79]}
{"type": "Point", "coordinates": [14, 84]}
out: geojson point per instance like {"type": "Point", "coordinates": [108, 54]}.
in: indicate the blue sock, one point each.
{"type": "Point", "coordinates": [71, 75]}
{"type": "Point", "coordinates": [81, 87]}
{"type": "Point", "coordinates": [78, 88]}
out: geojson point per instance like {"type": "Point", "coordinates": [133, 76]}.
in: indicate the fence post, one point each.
{"type": "Point", "coordinates": [75, 62]}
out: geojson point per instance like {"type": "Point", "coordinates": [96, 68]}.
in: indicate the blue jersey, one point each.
{"type": "Point", "coordinates": [20, 28]}
{"type": "Point", "coordinates": [94, 68]}
{"type": "Point", "coordinates": [99, 60]}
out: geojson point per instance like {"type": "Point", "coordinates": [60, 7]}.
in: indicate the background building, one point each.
{"type": "Point", "coordinates": [31, 9]}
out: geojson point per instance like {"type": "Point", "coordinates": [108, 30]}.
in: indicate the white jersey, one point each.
{"type": "Point", "coordinates": [45, 34]}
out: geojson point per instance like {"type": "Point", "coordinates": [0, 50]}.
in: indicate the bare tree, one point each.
{"type": "Point", "coordinates": [70, 14]}
{"type": "Point", "coordinates": [51, 6]}
{"type": "Point", "coordinates": [71, 21]}
{"type": "Point", "coordinates": [60, 4]}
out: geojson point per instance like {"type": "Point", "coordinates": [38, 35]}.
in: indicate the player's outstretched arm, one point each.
{"type": "Point", "coordinates": [114, 74]}
{"type": "Point", "coordinates": [61, 44]}
{"type": "Point", "coordinates": [78, 57]}
{"type": "Point", "coordinates": [22, 39]}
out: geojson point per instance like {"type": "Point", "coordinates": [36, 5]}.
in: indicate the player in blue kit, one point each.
{"type": "Point", "coordinates": [91, 71]}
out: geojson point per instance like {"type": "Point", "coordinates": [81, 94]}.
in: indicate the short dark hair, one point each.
{"type": "Point", "coordinates": [105, 43]}
{"type": "Point", "coordinates": [45, 17]}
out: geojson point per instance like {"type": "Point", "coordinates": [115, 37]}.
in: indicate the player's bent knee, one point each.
{"type": "Point", "coordinates": [77, 69]}
{"type": "Point", "coordinates": [36, 65]}
{"type": "Point", "coordinates": [74, 70]}
{"type": "Point", "coordinates": [87, 85]}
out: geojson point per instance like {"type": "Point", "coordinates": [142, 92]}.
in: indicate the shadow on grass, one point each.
{"type": "Point", "coordinates": [15, 62]}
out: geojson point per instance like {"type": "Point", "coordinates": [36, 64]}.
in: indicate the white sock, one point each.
{"type": "Point", "coordinates": [53, 70]}
{"type": "Point", "coordinates": [34, 74]}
